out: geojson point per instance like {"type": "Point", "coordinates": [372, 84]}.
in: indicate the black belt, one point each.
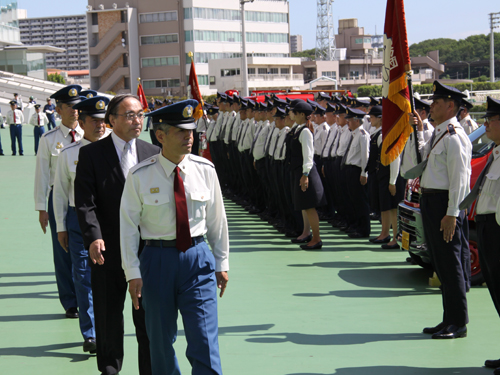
{"type": "Point", "coordinates": [172, 243]}
{"type": "Point", "coordinates": [486, 217]}
{"type": "Point", "coordinates": [432, 191]}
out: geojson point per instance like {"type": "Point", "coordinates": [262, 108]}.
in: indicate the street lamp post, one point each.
{"type": "Point", "coordinates": [494, 23]}
{"type": "Point", "coordinates": [468, 66]}
{"type": "Point", "coordinates": [244, 73]}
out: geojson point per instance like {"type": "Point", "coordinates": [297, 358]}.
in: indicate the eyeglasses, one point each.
{"type": "Point", "coordinates": [132, 116]}
{"type": "Point", "coordinates": [491, 119]}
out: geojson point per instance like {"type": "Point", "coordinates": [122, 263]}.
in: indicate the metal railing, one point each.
{"type": "Point", "coordinates": [275, 77]}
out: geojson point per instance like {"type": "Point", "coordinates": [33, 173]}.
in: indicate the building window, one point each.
{"type": "Point", "coordinates": [158, 17]}
{"type": "Point", "coordinates": [95, 19]}
{"type": "Point", "coordinates": [251, 70]}
{"type": "Point", "coordinates": [273, 71]}
{"type": "Point", "coordinates": [330, 75]}
{"type": "Point", "coordinates": [160, 39]}
{"type": "Point", "coordinates": [373, 73]}
{"type": "Point", "coordinates": [235, 36]}
{"type": "Point", "coordinates": [285, 70]}
{"type": "Point", "coordinates": [359, 41]}
{"type": "Point", "coordinates": [234, 15]}
{"type": "Point", "coordinates": [188, 35]}
{"type": "Point", "coordinates": [212, 80]}
{"type": "Point", "coordinates": [160, 61]}
{"type": "Point", "coordinates": [202, 79]}
{"type": "Point", "coordinates": [266, 17]}
{"type": "Point", "coordinates": [161, 83]}
{"type": "Point", "coordinates": [229, 72]}
{"type": "Point", "coordinates": [188, 13]}
{"type": "Point", "coordinates": [354, 74]}
{"type": "Point", "coordinates": [262, 70]}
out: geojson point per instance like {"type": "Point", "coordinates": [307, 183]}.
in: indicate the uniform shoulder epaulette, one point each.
{"type": "Point", "coordinates": [50, 131]}
{"type": "Point", "coordinates": [451, 129]}
{"type": "Point", "coordinates": [362, 131]}
{"type": "Point", "coordinates": [201, 159]}
{"type": "Point", "coordinates": [71, 145]}
{"type": "Point", "coordinates": [149, 161]}
{"type": "Point", "coordinates": [469, 122]}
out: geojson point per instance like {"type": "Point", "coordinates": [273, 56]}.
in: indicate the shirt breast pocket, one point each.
{"type": "Point", "coordinates": [156, 207]}
{"type": "Point", "coordinates": [491, 188]}
{"type": "Point", "coordinates": [199, 201]}
{"type": "Point", "coordinates": [437, 154]}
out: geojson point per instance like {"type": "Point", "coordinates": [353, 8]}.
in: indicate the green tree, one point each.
{"type": "Point", "coordinates": [56, 77]}
{"type": "Point", "coordinates": [309, 53]}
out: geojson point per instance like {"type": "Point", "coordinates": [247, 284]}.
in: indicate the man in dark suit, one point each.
{"type": "Point", "coordinates": [100, 178]}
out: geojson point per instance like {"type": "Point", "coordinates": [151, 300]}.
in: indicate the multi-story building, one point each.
{"type": "Point", "coordinates": [296, 43]}
{"type": "Point", "coordinates": [151, 40]}
{"type": "Point", "coordinates": [68, 32]}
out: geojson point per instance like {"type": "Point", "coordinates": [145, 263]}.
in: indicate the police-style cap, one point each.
{"type": "Point", "coordinates": [94, 107]}
{"type": "Point", "coordinates": [312, 103]}
{"type": "Point", "coordinates": [356, 103]}
{"type": "Point", "coordinates": [213, 110]}
{"type": "Point", "coordinates": [345, 101]}
{"type": "Point", "coordinates": [319, 110]}
{"type": "Point", "coordinates": [250, 104]}
{"type": "Point", "coordinates": [355, 113]}
{"type": "Point", "coordinates": [374, 101]}
{"type": "Point", "coordinates": [13, 102]}
{"type": "Point", "coordinates": [341, 109]}
{"type": "Point", "coordinates": [243, 105]}
{"type": "Point", "coordinates": [262, 106]}
{"type": "Point", "coordinates": [492, 107]}
{"type": "Point", "coordinates": [294, 102]}
{"type": "Point", "coordinates": [467, 104]}
{"type": "Point", "coordinates": [69, 94]}
{"type": "Point", "coordinates": [420, 104]}
{"type": "Point", "coordinates": [330, 108]}
{"type": "Point", "coordinates": [441, 91]}
{"type": "Point", "coordinates": [303, 107]}
{"type": "Point", "coordinates": [322, 96]}
{"type": "Point", "coordinates": [88, 93]}
{"type": "Point", "coordinates": [37, 106]}
{"type": "Point", "coordinates": [280, 112]}
{"type": "Point", "coordinates": [376, 111]}
{"type": "Point", "coordinates": [179, 115]}
{"type": "Point", "coordinates": [280, 103]}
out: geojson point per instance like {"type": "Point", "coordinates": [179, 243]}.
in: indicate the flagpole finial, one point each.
{"type": "Point", "coordinates": [138, 79]}
{"type": "Point", "coordinates": [190, 54]}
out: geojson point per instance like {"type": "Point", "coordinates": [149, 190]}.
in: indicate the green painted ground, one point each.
{"type": "Point", "coordinates": [348, 309]}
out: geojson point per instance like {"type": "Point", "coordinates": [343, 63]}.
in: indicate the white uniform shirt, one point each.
{"type": "Point", "coordinates": [19, 117]}
{"type": "Point", "coordinates": [218, 127]}
{"type": "Point", "coordinates": [359, 150]}
{"type": "Point", "coordinates": [148, 202]}
{"type": "Point", "coordinates": [280, 151]}
{"type": "Point", "coordinates": [394, 166]}
{"type": "Point", "coordinates": [236, 128]}
{"type": "Point", "coordinates": [273, 141]}
{"type": "Point", "coordinates": [51, 144]}
{"type": "Point", "coordinates": [408, 157]}
{"type": "Point", "coordinates": [342, 141]}
{"type": "Point", "coordinates": [260, 141]}
{"type": "Point", "coordinates": [248, 135]}
{"type": "Point", "coordinates": [449, 165]}
{"type": "Point", "coordinates": [202, 125]}
{"type": "Point", "coordinates": [490, 193]}
{"type": "Point", "coordinates": [210, 129]}
{"type": "Point", "coordinates": [232, 120]}
{"type": "Point", "coordinates": [330, 139]}
{"type": "Point", "coordinates": [468, 124]}
{"type": "Point", "coordinates": [367, 124]}
{"type": "Point", "coordinates": [64, 182]}
{"type": "Point", "coordinates": [307, 141]}
{"type": "Point", "coordinates": [34, 119]}
{"type": "Point", "coordinates": [320, 136]}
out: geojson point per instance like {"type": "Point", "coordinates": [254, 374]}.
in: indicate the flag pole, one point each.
{"type": "Point", "coordinates": [412, 103]}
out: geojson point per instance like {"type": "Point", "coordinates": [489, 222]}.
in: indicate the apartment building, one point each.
{"type": "Point", "coordinates": [67, 32]}
{"type": "Point", "coordinates": [151, 40]}
{"type": "Point", "coordinates": [296, 43]}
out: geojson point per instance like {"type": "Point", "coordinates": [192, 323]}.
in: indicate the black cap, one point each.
{"type": "Point", "coordinates": [341, 109]}
{"type": "Point", "coordinates": [322, 96]}
{"type": "Point", "coordinates": [319, 110]}
{"type": "Point", "coordinates": [94, 106]}
{"type": "Point", "coordinates": [280, 112]}
{"type": "Point", "coordinates": [13, 102]}
{"type": "Point", "coordinates": [492, 107]}
{"type": "Point", "coordinates": [345, 100]}
{"type": "Point", "coordinates": [376, 111]}
{"type": "Point", "coordinates": [243, 106]}
{"type": "Point", "coordinates": [441, 91]}
{"type": "Point", "coordinates": [420, 104]}
{"type": "Point", "coordinates": [330, 108]}
{"type": "Point", "coordinates": [280, 103]}
{"type": "Point", "coordinates": [312, 103]}
{"type": "Point", "coordinates": [355, 113]}
{"type": "Point", "coordinates": [37, 106]}
{"type": "Point", "coordinates": [294, 102]}
{"type": "Point", "coordinates": [375, 101]}
{"type": "Point", "coordinates": [251, 104]}
{"type": "Point", "coordinates": [467, 104]}
{"type": "Point", "coordinates": [69, 94]}
{"type": "Point", "coordinates": [213, 110]}
{"type": "Point", "coordinates": [179, 115]}
{"type": "Point", "coordinates": [88, 93]}
{"type": "Point", "coordinates": [303, 107]}
{"type": "Point", "coordinates": [356, 103]}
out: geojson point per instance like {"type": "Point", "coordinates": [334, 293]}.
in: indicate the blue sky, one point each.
{"type": "Point", "coordinates": [426, 19]}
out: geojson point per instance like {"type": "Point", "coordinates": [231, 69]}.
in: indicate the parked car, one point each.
{"type": "Point", "coordinates": [410, 228]}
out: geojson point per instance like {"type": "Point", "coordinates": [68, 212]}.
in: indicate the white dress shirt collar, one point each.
{"type": "Point", "coordinates": [169, 167]}
{"type": "Point", "coordinates": [66, 130]}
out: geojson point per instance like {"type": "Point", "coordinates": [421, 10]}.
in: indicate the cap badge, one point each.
{"type": "Point", "coordinates": [434, 88]}
{"type": "Point", "coordinates": [73, 92]}
{"type": "Point", "coordinates": [90, 96]}
{"type": "Point", "coordinates": [100, 104]}
{"type": "Point", "coordinates": [188, 111]}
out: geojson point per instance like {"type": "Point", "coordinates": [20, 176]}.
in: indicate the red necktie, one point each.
{"type": "Point", "coordinates": [38, 119]}
{"type": "Point", "coordinates": [183, 234]}
{"type": "Point", "coordinates": [72, 132]}
{"type": "Point", "coordinates": [14, 116]}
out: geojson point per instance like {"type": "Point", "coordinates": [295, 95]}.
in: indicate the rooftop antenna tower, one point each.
{"type": "Point", "coordinates": [325, 39]}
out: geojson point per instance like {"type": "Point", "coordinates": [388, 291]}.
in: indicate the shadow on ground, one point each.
{"type": "Point", "coordinates": [403, 370]}
{"type": "Point", "coordinates": [47, 351]}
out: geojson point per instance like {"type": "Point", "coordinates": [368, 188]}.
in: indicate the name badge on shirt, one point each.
{"type": "Point", "coordinates": [154, 190]}
{"type": "Point", "coordinates": [59, 145]}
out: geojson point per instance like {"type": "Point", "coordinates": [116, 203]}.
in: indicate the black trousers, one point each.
{"type": "Point", "coordinates": [358, 200]}
{"type": "Point", "coordinates": [446, 257]}
{"type": "Point", "coordinates": [488, 238]}
{"type": "Point", "coordinates": [109, 290]}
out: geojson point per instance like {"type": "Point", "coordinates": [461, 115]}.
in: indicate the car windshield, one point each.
{"type": "Point", "coordinates": [481, 144]}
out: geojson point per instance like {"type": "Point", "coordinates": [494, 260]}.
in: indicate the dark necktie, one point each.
{"type": "Point", "coordinates": [478, 186]}
{"type": "Point", "coordinates": [324, 146]}
{"type": "Point", "coordinates": [38, 116]}
{"type": "Point", "coordinates": [344, 158]}
{"type": "Point", "coordinates": [183, 234]}
{"type": "Point", "coordinates": [255, 138]}
{"type": "Point", "coordinates": [72, 132]}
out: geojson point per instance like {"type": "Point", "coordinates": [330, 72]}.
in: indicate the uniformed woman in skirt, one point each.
{"type": "Point", "coordinates": [307, 190]}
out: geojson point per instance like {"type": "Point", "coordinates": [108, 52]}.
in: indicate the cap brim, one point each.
{"type": "Point", "coordinates": [188, 126]}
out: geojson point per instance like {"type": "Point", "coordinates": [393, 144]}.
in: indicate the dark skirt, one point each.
{"type": "Point", "coordinates": [314, 196]}
{"type": "Point", "coordinates": [386, 200]}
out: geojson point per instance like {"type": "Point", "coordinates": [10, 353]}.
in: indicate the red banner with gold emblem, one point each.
{"type": "Point", "coordinates": [195, 92]}
{"type": "Point", "coordinates": [142, 96]}
{"type": "Point", "coordinates": [395, 91]}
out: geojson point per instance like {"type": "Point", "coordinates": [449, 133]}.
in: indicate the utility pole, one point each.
{"type": "Point", "coordinates": [325, 38]}
{"type": "Point", "coordinates": [494, 23]}
{"type": "Point", "coordinates": [244, 68]}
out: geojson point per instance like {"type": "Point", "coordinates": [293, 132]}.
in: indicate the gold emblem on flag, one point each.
{"type": "Point", "coordinates": [73, 92]}
{"type": "Point", "coordinates": [188, 111]}
{"type": "Point", "coordinates": [100, 104]}
{"type": "Point", "coordinates": [154, 190]}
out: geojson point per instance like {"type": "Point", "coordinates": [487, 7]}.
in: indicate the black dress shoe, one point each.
{"type": "Point", "coordinates": [432, 330]}
{"type": "Point", "coordinates": [390, 247]}
{"type": "Point", "coordinates": [72, 313]}
{"type": "Point", "coordinates": [451, 332]}
{"type": "Point", "coordinates": [492, 363]}
{"type": "Point", "coordinates": [89, 345]}
{"type": "Point", "coordinates": [383, 240]}
{"type": "Point", "coordinates": [318, 246]}
{"type": "Point", "coordinates": [303, 240]}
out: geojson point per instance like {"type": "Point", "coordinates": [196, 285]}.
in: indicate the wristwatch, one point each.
{"type": "Point", "coordinates": [306, 174]}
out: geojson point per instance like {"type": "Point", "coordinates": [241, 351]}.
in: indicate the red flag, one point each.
{"type": "Point", "coordinates": [395, 91]}
{"type": "Point", "coordinates": [195, 92]}
{"type": "Point", "coordinates": [142, 97]}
